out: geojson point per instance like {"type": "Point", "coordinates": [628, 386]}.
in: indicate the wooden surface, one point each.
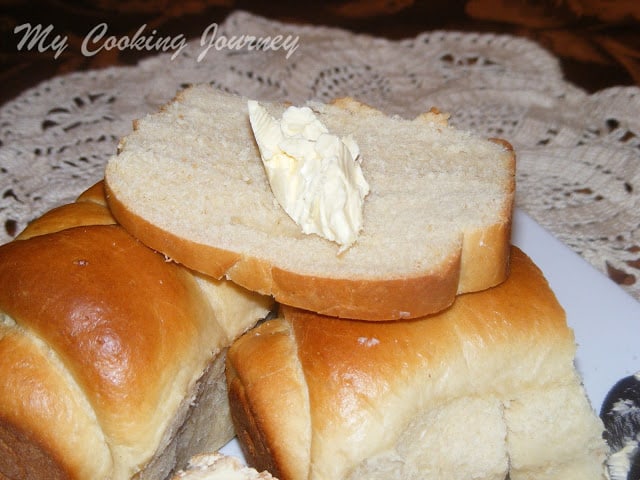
{"type": "Point", "coordinates": [597, 41]}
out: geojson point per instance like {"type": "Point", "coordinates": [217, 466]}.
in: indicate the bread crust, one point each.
{"type": "Point", "coordinates": [92, 310]}
{"type": "Point", "coordinates": [38, 406]}
{"type": "Point", "coordinates": [485, 257]}
{"type": "Point", "coordinates": [102, 344]}
{"type": "Point", "coordinates": [373, 300]}
{"type": "Point", "coordinates": [482, 262]}
{"type": "Point", "coordinates": [365, 381]}
{"type": "Point", "coordinates": [268, 440]}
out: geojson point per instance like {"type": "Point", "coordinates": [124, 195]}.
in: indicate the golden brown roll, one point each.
{"type": "Point", "coordinates": [111, 356]}
{"type": "Point", "coordinates": [483, 390]}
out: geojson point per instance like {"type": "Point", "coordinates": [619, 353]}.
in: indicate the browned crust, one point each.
{"type": "Point", "coordinates": [498, 322]}
{"type": "Point", "coordinates": [266, 443]}
{"type": "Point", "coordinates": [486, 252]}
{"type": "Point", "coordinates": [524, 304]}
{"type": "Point", "coordinates": [90, 208]}
{"type": "Point", "coordinates": [26, 451]}
{"type": "Point", "coordinates": [373, 300]}
{"type": "Point", "coordinates": [68, 216]}
{"type": "Point", "coordinates": [209, 260]}
{"type": "Point", "coordinates": [34, 414]}
{"type": "Point", "coordinates": [249, 431]}
{"type": "Point", "coordinates": [97, 273]}
{"type": "Point", "coordinates": [486, 256]}
{"type": "Point", "coordinates": [95, 194]}
{"type": "Point", "coordinates": [250, 436]}
{"type": "Point", "coordinates": [88, 293]}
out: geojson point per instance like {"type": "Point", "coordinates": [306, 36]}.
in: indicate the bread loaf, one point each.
{"type": "Point", "coordinates": [111, 357]}
{"type": "Point", "coordinates": [483, 390]}
{"type": "Point", "coordinates": [189, 182]}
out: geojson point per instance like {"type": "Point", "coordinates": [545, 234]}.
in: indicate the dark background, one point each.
{"type": "Point", "coordinates": [597, 41]}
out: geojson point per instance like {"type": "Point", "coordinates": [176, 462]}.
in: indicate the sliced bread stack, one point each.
{"type": "Point", "coordinates": [381, 351]}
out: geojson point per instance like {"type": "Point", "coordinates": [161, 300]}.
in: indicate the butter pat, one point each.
{"type": "Point", "coordinates": [315, 176]}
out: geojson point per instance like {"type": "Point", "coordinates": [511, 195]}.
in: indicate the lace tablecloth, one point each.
{"type": "Point", "coordinates": [578, 167]}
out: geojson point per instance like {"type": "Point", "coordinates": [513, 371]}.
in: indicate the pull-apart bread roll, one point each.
{"type": "Point", "coordinates": [483, 390]}
{"type": "Point", "coordinates": [111, 357]}
{"type": "Point", "coordinates": [190, 183]}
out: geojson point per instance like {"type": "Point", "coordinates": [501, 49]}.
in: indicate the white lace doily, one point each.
{"type": "Point", "coordinates": [578, 167]}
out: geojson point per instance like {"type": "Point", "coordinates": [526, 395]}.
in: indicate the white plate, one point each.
{"type": "Point", "coordinates": [605, 319]}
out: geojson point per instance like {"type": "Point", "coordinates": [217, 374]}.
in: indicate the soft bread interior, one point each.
{"type": "Point", "coordinates": [189, 182]}
{"type": "Point", "coordinates": [544, 434]}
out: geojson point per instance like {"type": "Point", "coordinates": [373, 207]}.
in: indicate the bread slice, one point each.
{"type": "Point", "coordinates": [189, 182]}
{"type": "Point", "coordinates": [111, 358]}
{"type": "Point", "coordinates": [217, 466]}
{"type": "Point", "coordinates": [483, 390]}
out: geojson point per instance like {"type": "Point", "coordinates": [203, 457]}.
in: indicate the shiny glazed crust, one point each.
{"type": "Point", "coordinates": [102, 343]}
{"type": "Point", "coordinates": [346, 390]}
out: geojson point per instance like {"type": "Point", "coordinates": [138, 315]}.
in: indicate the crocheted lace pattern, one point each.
{"type": "Point", "coordinates": [578, 168]}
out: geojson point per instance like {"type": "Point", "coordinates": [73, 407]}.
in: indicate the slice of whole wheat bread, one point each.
{"type": "Point", "coordinates": [189, 182]}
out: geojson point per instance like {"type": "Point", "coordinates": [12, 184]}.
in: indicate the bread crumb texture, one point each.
{"type": "Point", "coordinates": [191, 175]}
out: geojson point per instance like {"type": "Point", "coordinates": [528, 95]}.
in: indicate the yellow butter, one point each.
{"type": "Point", "coordinates": [314, 175]}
